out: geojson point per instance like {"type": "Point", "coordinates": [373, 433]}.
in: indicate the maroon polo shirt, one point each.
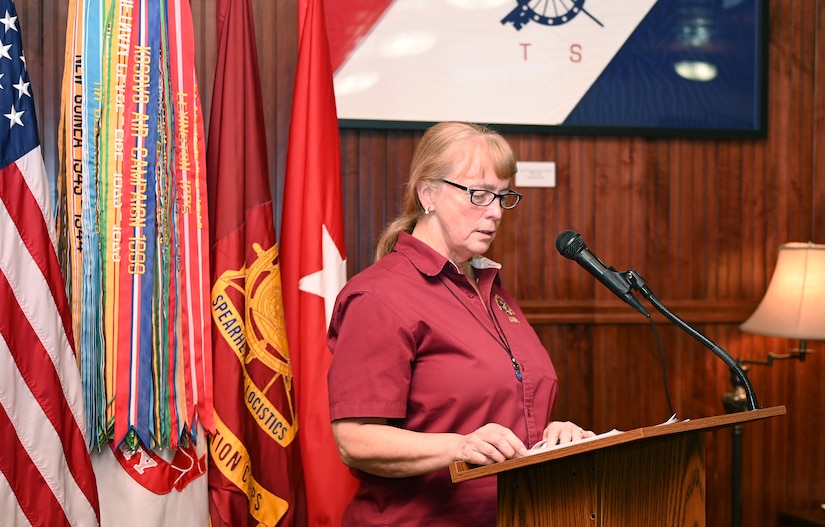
{"type": "Point", "coordinates": [413, 343]}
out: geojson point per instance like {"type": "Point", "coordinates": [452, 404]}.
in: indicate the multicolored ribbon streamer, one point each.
{"type": "Point", "coordinates": [192, 217]}
{"type": "Point", "coordinates": [133, 221]}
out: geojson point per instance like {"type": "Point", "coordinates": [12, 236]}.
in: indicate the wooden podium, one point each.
{"type": "Point", "coordinates": [647, 477]}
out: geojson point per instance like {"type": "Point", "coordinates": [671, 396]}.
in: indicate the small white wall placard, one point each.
{"type": "Point", "coordinates": [536, 174]}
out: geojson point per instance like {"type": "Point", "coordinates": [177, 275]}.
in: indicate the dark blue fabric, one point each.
{"type": "Point", "coordinates": [640, 87]}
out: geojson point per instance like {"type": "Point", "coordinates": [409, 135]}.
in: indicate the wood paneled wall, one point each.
{"type": "Point", "coordinates": [699, 219]}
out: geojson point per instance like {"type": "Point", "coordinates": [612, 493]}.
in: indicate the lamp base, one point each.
{"type": "Point", "coordinates": [736, 400]}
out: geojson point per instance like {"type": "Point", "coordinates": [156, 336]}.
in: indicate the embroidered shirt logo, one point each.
{"type": "Point", "coordinates": [502, 305]}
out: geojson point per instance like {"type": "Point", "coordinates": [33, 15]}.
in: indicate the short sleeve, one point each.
{"type": "Point", "coordinates": [372, 357]}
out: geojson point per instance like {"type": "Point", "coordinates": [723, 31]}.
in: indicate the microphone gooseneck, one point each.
{"type": "Point", "coordinates": [571, 245]}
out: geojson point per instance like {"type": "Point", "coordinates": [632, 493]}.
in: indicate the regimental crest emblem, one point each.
{"type": "Point", "coordinates": [504, 306]}
{"type": "Point", "coordinates": [545, 13]}
{"type": "Point", "coordinates": [257, 335]}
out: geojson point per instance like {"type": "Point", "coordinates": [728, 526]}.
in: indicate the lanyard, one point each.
{"type": "Point", "coordinates": [499, 337]}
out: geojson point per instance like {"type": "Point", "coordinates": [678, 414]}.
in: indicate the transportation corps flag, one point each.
{"type": "Point", "coordinates": [254, 465]}
{"type": "Point", "coordinates": [314, 263]}
{"type": "Point", "coordinates": [46, 475]}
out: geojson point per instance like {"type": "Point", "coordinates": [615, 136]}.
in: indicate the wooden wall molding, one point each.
{"type": "Point", "coordinates": [607, 312]}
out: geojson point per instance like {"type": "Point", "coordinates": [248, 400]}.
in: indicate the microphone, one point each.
{"type": "Point", "coordinates": [571, 245]}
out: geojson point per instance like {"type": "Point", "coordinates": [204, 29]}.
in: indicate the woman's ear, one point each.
{"type": "Point", "coordinates": [425, 195]}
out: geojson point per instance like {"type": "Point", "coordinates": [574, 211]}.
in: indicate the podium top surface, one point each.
{"type": "Point", "coordinates": [462, 471]}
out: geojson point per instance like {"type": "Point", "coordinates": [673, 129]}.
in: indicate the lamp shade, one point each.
{"type": "Point", "coordinates": [794, 305]}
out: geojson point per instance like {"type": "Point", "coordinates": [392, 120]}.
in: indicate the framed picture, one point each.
{"type": "Point", "coordinates": [630, 67]}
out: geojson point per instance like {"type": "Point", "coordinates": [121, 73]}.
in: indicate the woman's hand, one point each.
{"type": "Point", "coordinates": [491, 443]}
{"type": "Point", "coordinates": [564, 432]}
{"type": "Point", "coordinates": [372, 445]}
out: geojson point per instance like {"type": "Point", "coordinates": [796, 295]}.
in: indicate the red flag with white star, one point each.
{"type": "Point", "coordinates": [313, 264]}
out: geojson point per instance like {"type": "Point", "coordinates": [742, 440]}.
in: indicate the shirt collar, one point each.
{"type": "Point", "coordinates": [482, 262]}
{"type": "Point", "coordinates": [428, 261]}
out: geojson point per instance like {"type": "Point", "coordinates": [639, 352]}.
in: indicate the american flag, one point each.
{"type": "Point", "coordinates": [46, 475]}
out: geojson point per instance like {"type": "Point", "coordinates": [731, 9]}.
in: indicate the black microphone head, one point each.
{"type": "Point", "coordinates": [569, 243]}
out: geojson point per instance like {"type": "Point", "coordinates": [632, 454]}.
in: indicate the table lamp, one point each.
{"type": "Point", "coordinates": [793, 307]}
{"type": "Point", "coordinates": [794, 304]}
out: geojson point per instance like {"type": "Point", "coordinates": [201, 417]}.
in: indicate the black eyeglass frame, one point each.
{"type": "Point", "coordinates": [473, 192]}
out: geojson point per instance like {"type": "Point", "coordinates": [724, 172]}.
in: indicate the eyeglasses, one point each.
{"type": "Point", "coordinates": [482, 198]}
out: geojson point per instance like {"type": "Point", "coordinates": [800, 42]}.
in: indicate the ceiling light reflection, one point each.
{"type": "Point", "coordinates": [356, 83]}
{"type": "Point", "coordinates": [696, 70]}
{"type": "Point", "coordinates": [407, 43]}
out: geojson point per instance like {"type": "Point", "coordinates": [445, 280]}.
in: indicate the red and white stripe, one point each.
{"type": "Point", "coordinates": [47, 476]}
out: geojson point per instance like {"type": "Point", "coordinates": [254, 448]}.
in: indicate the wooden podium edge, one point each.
{"type": "Point", "coordinates": [463, 471]}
